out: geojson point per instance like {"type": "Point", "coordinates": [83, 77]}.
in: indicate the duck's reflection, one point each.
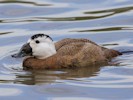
{"type": "Point", "coordinates": [51, 76]}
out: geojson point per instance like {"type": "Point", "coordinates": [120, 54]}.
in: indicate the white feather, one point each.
{"type": "Point", "coordinates": [44, 49]}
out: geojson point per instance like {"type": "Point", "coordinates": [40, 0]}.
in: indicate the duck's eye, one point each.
{"type": "Point", "coordinates": [37, 41]}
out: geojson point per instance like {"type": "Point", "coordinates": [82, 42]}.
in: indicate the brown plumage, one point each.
{"type": "Point", "coordinates": [72, 53]}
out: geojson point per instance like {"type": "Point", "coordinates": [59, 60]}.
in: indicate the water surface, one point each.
{"type": "Point", "coordinates": [107, 22]}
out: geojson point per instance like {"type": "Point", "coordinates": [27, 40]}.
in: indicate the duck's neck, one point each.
{"type": "Point", "coordinates": [47, 52]}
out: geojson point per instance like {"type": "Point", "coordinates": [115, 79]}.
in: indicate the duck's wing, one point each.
{"type": "Point", "coordinates": [66, 45]}
{"type": "Point", "coordinates": [73, 46]}
{"type": "Point", "coordinates": [80, 51]}
{"type": "Point", "coordinates": [71, 49]}
{"type": "Point", "coordinates": [67, 41]}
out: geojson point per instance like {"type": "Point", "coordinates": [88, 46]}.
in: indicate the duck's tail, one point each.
{"type": "Point", "coordinates": [112, 53]}
{"type": "Point", "coordinates": [109, 53]}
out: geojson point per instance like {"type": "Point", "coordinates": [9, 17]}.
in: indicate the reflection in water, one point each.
{"type": "Point", "coordinates": [105, 29]}
{"type": "Point", "coordinates": [92, 14]}
{"type": "Point", "coordinates": [9, 92]}
{"type": "Point", "coordinates": [3, 33]}
{"type": "Point", "coordinates": [24, 2]}
{"type": "Point", "coordinates": [114, 10]}
{"type": "Point", "coordinates": [49, 76]}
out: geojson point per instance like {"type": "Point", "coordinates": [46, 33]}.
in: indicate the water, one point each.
{"type": "Point", "coordinates": [107, 22]}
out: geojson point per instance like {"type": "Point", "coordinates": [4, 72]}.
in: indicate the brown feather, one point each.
{"type": "Point", "coordinates": [72, 53]}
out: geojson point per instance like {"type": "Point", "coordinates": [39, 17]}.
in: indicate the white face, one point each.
{"type": "Point", "coordinates": [42, 47]}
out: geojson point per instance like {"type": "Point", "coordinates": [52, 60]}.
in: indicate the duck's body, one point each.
{"type": "Point", "coordinates": [72, 53]}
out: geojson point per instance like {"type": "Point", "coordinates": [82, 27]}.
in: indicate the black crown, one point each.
{"type": "Point", "coordinates": [40, 35]}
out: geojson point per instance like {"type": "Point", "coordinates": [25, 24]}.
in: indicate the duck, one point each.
{"type": "Point", "coordinates": [41, 52]}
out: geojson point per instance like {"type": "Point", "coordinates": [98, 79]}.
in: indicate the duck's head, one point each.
{"type": "Point", "coordinates": [40, 46]}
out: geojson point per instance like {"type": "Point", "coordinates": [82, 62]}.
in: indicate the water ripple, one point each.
{"type": "Point", "coordinates": [106, 22]}
{"type": "Point", "coordinates": [24, 2]}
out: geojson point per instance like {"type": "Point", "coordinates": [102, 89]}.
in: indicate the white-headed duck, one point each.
{"type": "Point", "coordinates": [43, 53]}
